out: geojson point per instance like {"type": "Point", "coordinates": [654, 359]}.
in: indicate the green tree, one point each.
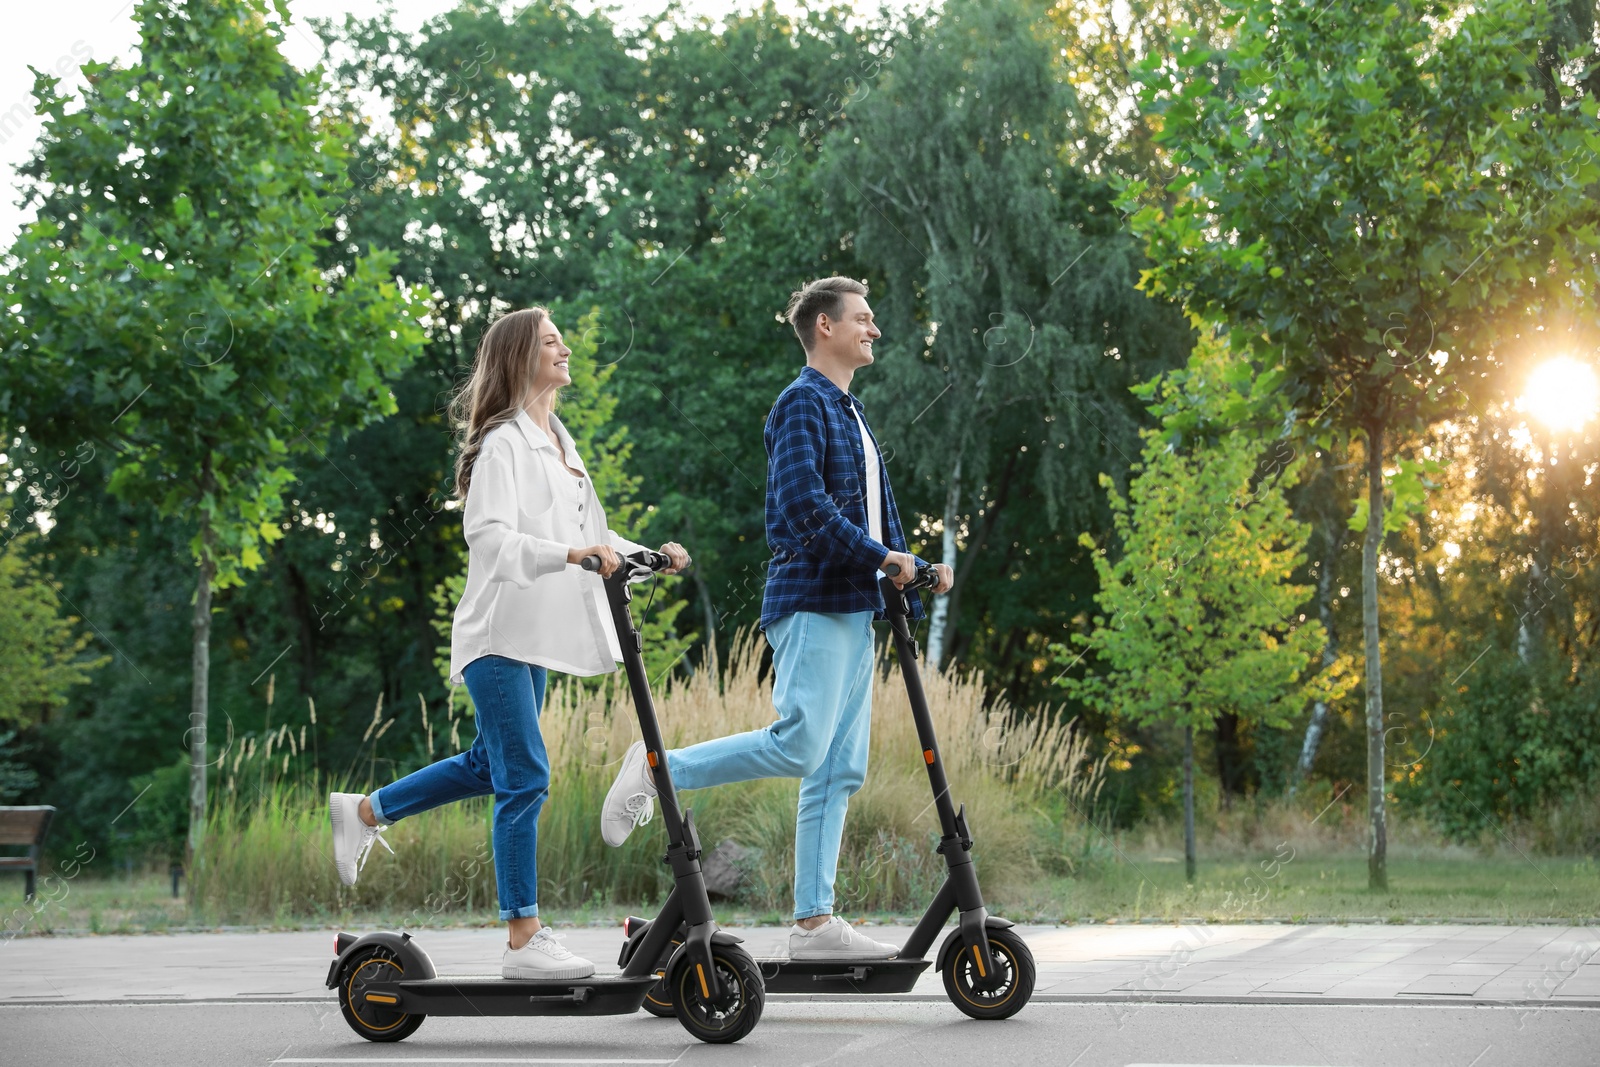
{"type": "Point", "coordinates": [1323, 499]}
{"type": "Point", "coordinates": [664, 173]}
{"type": "Point", "coordinates": [1201, 617]}
{"type": "Point", "coordinates": [1570, 38]}
{"type": "Point", "coordinates": [169, 303]}
{"type": "Point", "coordinates": [42, 651]}
{"type": "Point", "coordinates": [1101, 44]}
{"type": "Point", "coordinates": [1376, 208]}
{"type": "Point", "coordinates": [1012, 326]}
{"type": "Point", "coordinates": [1502, 584]}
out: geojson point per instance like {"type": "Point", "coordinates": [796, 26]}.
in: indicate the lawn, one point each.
{"type": "Point", "coordinates": [1132, 888]}
{"type": "Point", "coordinates": [1316, 888]}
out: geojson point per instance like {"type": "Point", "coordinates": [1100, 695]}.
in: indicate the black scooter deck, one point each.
{"type": "Point", "coordinates": [490, 995]}
{"type": "Point", "coordinates": [783, 975]}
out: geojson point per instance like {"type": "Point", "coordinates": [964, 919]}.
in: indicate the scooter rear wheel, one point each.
{"type": "Point", "coordinates": [658, 1001]}
{"type": "Point", "coordinates": [1001, 995]}
{"type": "Point", "coordinates": [736, 1014]}
{"type": "Point", "coordinates": [374, 966]}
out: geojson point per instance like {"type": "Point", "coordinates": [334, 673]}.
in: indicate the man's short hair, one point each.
{"type": "Point", "coordinates": [825, 296]}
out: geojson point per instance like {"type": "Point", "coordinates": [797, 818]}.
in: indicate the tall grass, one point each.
{"type": "Point", "coordinates": [1022, 778]}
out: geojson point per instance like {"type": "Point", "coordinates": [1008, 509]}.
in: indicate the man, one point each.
{"type": "Point", "coordinates": [832, 527]}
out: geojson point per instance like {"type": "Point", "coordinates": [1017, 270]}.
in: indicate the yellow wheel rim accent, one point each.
{"type": "Point", "coordinates": [738, 981]}
{"type": "Point", "coordinates": [350, 996]}
{"type": "Point", "coordinates": [987, 1003]}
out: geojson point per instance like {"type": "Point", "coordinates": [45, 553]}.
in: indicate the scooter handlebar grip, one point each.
{"type": "Point", "coordinates": [926, 577]}
{"type": "Point", "coordinates": [656, 561]}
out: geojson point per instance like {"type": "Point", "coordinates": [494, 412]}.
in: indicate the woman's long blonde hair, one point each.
{"type": "Point", "coordinates": [502, 374]}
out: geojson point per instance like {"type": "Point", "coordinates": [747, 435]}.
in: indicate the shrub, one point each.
{"type": "Point", "coordinates": [267, 852]}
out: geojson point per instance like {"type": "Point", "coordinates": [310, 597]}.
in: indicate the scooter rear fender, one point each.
{"type": "Point", "coordinates": [416, 962]}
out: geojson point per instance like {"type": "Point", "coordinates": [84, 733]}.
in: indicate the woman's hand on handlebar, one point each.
{"type": "Point", "coordinates": [678, 554]}
{"type": "Point", "coordinates": [947, 578]}
{"type": "Point", "coordinates": [609, 560]}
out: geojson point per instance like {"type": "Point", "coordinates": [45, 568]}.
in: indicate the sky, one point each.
{"type": "Point", "coordinates": [58, 36]}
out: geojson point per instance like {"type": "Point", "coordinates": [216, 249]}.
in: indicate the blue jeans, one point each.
{"type": "Point", "coordinates": [508, 760]}
{"type": "Point", "coordinates": [822, 688]}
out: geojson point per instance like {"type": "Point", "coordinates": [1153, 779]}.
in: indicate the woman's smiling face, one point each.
{"type": "Point", "coordinates": [551, 356]}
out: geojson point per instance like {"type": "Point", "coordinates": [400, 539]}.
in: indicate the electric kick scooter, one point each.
{"type": "Point", "coordinates": [387, 985]}
{"type": "Point", "coordinates": [988, 969]}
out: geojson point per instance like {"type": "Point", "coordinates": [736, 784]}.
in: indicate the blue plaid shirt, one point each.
{"type": "Point", "coordinates": [822, 557]}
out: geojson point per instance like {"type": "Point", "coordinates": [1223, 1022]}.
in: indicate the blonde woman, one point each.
{"type": "Point", "coordinates": [530, 514]}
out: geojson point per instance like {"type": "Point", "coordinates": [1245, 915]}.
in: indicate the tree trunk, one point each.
{"type": "Point", "coordinates": [706, 607]}
{"type": "Point", "coordinates": [199, 706]}
{"type": "Point", "coordinates": [1330, 653]}
{"type": "Point", "coordinates": [1377, 838]}
{"type": "Point", "coordinates": [1188, 804]}
{"type": "Point", "coordinates": [710, 614]}
{"type": "Point", "coordinates": [1549, 505]}
{"type": "Point", "coordinates": [1230, 757]}
{"type": "Point", "coordinates": [975, 548]}
{"type": "Point", "coordinates": [941, 603]}
{"type": "Point", "coordinates": [303, 612]}
{"type": "Point", "coordinates": [1528, 621]}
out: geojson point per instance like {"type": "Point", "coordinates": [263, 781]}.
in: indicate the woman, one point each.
{"type": "Point", "coordinates": [530, 515]}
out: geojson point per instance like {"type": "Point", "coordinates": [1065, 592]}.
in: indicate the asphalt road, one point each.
{"type": "Point", "coordinates": [868, 1033]}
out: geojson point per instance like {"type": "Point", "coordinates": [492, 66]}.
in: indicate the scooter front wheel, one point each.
{"type": "Point", "coordinates": [997, 996]}
{"type": "Point", "coordinates": [732, 1016]}
{"type": "Point", "coordinates": [370, 1018]}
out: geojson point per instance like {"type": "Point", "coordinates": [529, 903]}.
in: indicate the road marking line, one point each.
{"type": "Point", "coordinates": [460, 1059]}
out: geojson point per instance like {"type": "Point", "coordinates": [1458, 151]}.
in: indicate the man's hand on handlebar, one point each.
{"type": "Point", "coordinates": [907, 564]}
{"type": "Point", "coordinates": [609, 560]}
{"type": "Point", "coordinates": [678, 554]}
{"type": "Point", "coordinates": [934, 577]}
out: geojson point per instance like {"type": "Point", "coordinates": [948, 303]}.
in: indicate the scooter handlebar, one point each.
{"type": "Point", "coordinates": [927, 577]}
{"type": "Point", "coordinates": [646, 558]}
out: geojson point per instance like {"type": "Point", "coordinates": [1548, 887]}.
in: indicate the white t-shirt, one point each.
{"type": "Point", "coordinates": [874, 481]}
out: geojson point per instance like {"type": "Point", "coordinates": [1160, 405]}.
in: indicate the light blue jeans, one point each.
{"type": "Point", "coordinates": [507, 760]}
{"type": "Point", "coordinates": [822, 688]}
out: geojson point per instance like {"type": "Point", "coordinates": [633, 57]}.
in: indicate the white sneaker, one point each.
{"type": "Point", "coordinates": [631, 800]}
{"type": "Point", "coordinates": [836, 939]}
{"type": "Point", "coordinates": [543, 957]}
{"type": "Point", "coordinates": [352, 838]}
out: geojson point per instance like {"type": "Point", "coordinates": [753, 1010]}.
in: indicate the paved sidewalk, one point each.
{"type": "Point", "coordinates": [1197, 963]}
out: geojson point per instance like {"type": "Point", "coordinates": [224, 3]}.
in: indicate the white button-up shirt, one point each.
{"type": "Point", "coordinates": [523, 600]}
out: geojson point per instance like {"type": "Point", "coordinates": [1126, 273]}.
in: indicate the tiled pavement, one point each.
{"type": "Point", "coordinates": [1323, 962]}
{"type": "Point", "coordinates": [1124, 963]}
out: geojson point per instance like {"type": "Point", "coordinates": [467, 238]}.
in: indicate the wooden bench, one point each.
{"type": "Point", "coordinates": [27, 827]}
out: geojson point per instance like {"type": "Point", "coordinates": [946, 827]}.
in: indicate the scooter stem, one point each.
{"type": "Point", "coordinates": [961, 889]}
{"type": "Point", "coordinates": [683, 843]}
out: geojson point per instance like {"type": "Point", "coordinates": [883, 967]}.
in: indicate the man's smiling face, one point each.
{"type": "Point", "coordinates": [854, 331]}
